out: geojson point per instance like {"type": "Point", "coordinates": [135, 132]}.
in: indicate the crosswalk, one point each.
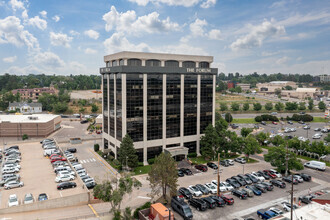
{"type": "Point", "coordinates": [91, 160]}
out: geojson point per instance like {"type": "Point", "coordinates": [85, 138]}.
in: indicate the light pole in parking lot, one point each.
{"type": "Point", "coordinates": [243, 168]}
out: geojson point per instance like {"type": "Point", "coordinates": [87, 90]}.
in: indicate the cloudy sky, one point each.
{"type": "Point", "coordinates": [71, 37]}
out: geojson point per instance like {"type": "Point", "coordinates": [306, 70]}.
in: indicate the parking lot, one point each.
{"type": "Point", "coordinates": [38, 176]}
{"type": "Point", "coordinates": [248, 207]}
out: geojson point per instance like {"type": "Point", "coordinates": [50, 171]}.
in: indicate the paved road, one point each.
{"type": "Point", "coordinates": [253, 115]}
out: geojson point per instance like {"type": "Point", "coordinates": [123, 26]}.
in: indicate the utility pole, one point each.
{"type": "Point", "coordinates": [218, 188]}
{"type": "Point", "coordinates": [286, 160]}
{"type": "Point", "coordinates": [291, 197]}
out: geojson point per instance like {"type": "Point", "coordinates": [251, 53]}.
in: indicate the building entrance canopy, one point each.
{"type": "Point", "coordinates": [176, 151]}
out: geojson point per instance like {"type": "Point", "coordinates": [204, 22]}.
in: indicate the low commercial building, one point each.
{"type": "Point", "coordinates": [34, 94]}
{"type": "Point", "coordinates": [272, 86]}
{"type": "Point", "coordinates": [312, 211]}
{"type": "Point", "coordinates": [324, 78]}
{"type": "Point", "coordinates": [38, 125]}
{"type": "Point", "coordinates": [302, 93]}
{"type": "Point", "coordinates": [244, 87]}
{"type": "Point", "coordinates": [25, 108]}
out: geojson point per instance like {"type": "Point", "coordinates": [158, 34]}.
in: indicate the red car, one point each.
{"type": "Point", "coordinates": [58, 159]}
{"type": "Point", "coordinates": [271, 174]}
{"type": "Point", "coordinates": [54, 155]}
{"type": "Point", "coordinates": [228, 199]}
{"type": "Point", "coordinates": [98, 132]}
{"type": "Point", "coordinates": [274, 122]}
{"type": "Point", "coordinates": [201, 167]}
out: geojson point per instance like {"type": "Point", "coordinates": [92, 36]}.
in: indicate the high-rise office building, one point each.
{"type": "Point", "coordinates": [162, 101]}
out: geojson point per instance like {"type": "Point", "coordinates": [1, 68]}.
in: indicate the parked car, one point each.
{"type": "Point", "coordinates": [210, 203]}
{"type": "Point", "coordinates": [182, 208]}
{"type": "Point", "coordinates": [222, 188]}
{"type": "Point", "coordinates": [305, 176]}
{"type": "Point", "coordinates": [287, 206]}
{"type": "Point", "coordinates": [201, 167]}
{"type": "Point", "coordinates": [28, 198]}
{"type": "Point", "coordinates": [195, 191]}
{"type": "Point", "coordinates": [234, 126]}
{"type": "Point", "coordinates": [240, 180]}
{"type": "Point", "coordinates": [261, 187]}
{"type": "Point", "coordinates": [268, 186]}
{"type": "Point", "coordinates": [274, 122]}
{"type": "Point", "coordinates": [219, 201]}
{"type": "Point", "coordinates": [227, 185]}
{"type": "Point", "coordinates": [264, 175]}
{"type": "Point", "coordinates": [258, 176]}
{"type": "Point", "coordinates": [239, 193]}
{"type": "Point", "coordinates": [72, 150]}
{"type": "Point", "coordinates": [290, 122]}
{"type": "Point", "coordinates": [289, 180]}
{"type": "Point", "coordinates": [306, 199]}
{"type": "Point", "coordinates": [275, 173]}
{"type": "Point", "coordinates": [42, 197]}
{"type": "Point", "coordinates": [224, 163]}
{"type": "Point", "coordinates": [263, 123]}
{"type": "Point", "coordinates": [263, 214]}
{"type": "Point", "coordinates": [13, 184]}
{"type": "Point", "coordinates": [315, 165]}
{"type": "Point", "coordinates": [317, 129]}
{"type": "Point", "coordinates": [10, 179]}
{"type": "Point", "coordinates": [228, 199]}
{"type": "Point", "coordinates": [307, 127]}
{"type": "Point", "coordinates": [252, 178]}
{"type": "Point", "coordinates": [61, 178]}
{"type": "Point", "coordinates": [211, 187]}
{"type": "Point", "coordinates": [12, 201]}
{"type": "Point", "coordinates": [199, 204]}
{"type": "Point", "coordinates": [233, 182]}
{"type": "Point", "coordinates": [245, 178]}
{"type": "Point", "coordinates": [298, 178]}
{"type": "Point", "coordinates": [240, 160]}
{"type": "Point", "coordinates": [180, 173]}
{"type": "Point", "coordinates": [212, 165]}
{"type": "Point", "coordinates": [278, 183]}
{"type": "Point", "coordinates": [203, 189]}
{"type": "Point", "coordinates": [276, 210]}
{"type": "Point", "coordinates": [66, 185]}
{"type": "Point", "coordinates": [254, 189]}
{"type": "Point", "coordinates": [185, 192]}
{"type": "Point", "coordinates": [9, 170]}
{"type": "Point", "coordinates": [90, 185]}
{"type": "Point", "coordinates": [249, 192]}
{"type": "Point", "coordinates": [270, 174]}
{"type": "Point", "coordinates": [186, 171]}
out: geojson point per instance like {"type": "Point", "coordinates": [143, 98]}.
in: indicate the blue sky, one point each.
{"type": "Point", "coordinates": [71, 37]}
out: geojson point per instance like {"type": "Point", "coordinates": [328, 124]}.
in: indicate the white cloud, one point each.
{"type": "Point", "coordinates": [43, 14]}
{"type": "Point", "coordinates": [38, 22]}
{"type": "Point", "coordinates": [48, 60]}
{"type": "Point", "coordinates": [90, 51]}
{"type": "Point", "coordinates": [56, 18]}
{"type": "Point", "coordinates": [118, 42]}
{"type": "Point", "coordinates": [278, 4]}
{"type": "Point", "coordinates": [208, 3]}
{"type": "Point", "coordinates": [74, 33]}
{"type": "Point", "coordinates": [182, 48]}
{"type": "Point", "coordinates": [314, 18]}
{"type": "Point", "coordinates": [59, 39]}
{"type": "Point", "coordinates": [12, 32]}
{"type": "Point", "coordinates": [15, 5]}
{"type": "Point", "coordinates": [197, 28]}
{"type": "Point", "coordinates": [282, 60]}
{"type": "Point", "coordinates": [185, 3]}
{"type": "Point", "coordinates": [75, 67]}
{"type": "Point", "coordinates": [257, 35]}
{"type": "Point", "coordinates": [25, 15]}
{"type": "Point", "coordinates": [9, 59]}
{"type": "Point", "coordinates": [128, 22]}
{"type": "Point", "coordinates": [215, 34]}
{"type": "Point", "coordinates": [92, 34]}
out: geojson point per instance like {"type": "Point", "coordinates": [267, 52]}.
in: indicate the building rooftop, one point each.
{"type": "Point", "coordinates": [35, 118]}
{"type": "Point", "coordinates": [279, 82]}
{"type": "Point", "coordinates": [311, 211]}
{"type": "Point", "coordinates": [306, 89]}
{"type": "Point", "coordinates": [32, 104]}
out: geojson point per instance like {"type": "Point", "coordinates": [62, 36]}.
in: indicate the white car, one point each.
{"type": "Point", "coordinates": [272, 135]}
{"type": "Point", "coordinates": [316, 136]}
{"type": "Point", "coordinates": [287, 130]}
{"type": "Point", "coordinates": [61, 178]}
{"type": "Point", "coordinates": [13, 201]}
{"type": "Point", "coordinates": [28, 198]}
{"type": "Point", "coordinates": [276, 210]}
{"type": "Point", "coordinates": [287, 206]}
{"type": "Point", "coordinates": [13, 184]}
{"type": "Point", "coordinates": [221, 186]}
{"type": "Point", "coordinates": [195, 191]}
{"type": "Point", "coordinates": [6, 170]}
{"type": "Point", "coordinates": [12, 166]}
{"type": "Point", "coordinates": [67, 172]}
{"type": "Point", "coordinates": [211, 187]}
{"type": "Point", "coordinates": [258, 176]}
{"type": "Point", "coordinates": [280, 134]}
{"type": "Point", "coordinates": [278, 175]}
{"type": "Point", "coordinates": [228, 186]}
{"type": "Point", "coordinates": [299, 178]}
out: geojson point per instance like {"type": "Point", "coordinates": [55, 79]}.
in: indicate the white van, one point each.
{"type": "Point", "coordinates": [315, 165]}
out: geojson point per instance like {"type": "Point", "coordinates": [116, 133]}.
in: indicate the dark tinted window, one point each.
{"type": "Point", "coordinates": [206, 101]}
{"type": "Point", "coordinates": [155, 107]}
{"type": "Point", "coordinates": [134, 62]}
{"type": "Point", "coordinates": [105, 103]}
{"type": "Point", "coordinates": [172, 63]}
{"type": "Point", "coordinates": [118, 107]}
{"type": "Point", "coordinates": [190, 105]}
{"type": "Point", "coordinates": [204, 65]}
{"type": "Point", "coordinates": [189, 64]}
{"type": "Point", "coordinates": [153, 63]}
{"type": "Point", "coordinates": [173, 100]}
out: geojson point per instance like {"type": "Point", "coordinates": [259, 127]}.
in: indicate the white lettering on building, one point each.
{"type": "Point", "coordinates": [198, 70]}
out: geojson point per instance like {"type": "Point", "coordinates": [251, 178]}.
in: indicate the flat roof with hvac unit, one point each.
{"type": "Point", "coordinates": [37, 125]}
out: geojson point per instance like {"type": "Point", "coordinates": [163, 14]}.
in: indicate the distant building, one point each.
{"type": "Point", "coordinates": [245, 87]}
{"type": "Point", "coordinates": [272, 86]}
{"type": "Point", "coordinates": [35, 93]}
{"type": "Point", "coordinates": [25, 108]}
{"type": "Point", "coordinates": [303, 93]}
{"type": "Point", "coordinates": [39, 125]}
{"type": "Point", "coordinates": [230, 85]}
{"type": "Point", "coordinates": [324, 78]}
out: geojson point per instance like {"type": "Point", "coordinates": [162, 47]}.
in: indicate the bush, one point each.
{"type": "Point", "coordinates": [151, 161]}
{"type": "Point", "coordinates": [258, 119]}
{"type": "Point", "coordinates": [25, 137]}
{"type": "Point", "coordinates": [228, 117]}
{"type": "Point", "coordinates": [190, 155]}
{"type": "Point", "coordinates": [144, 206]}
{"type": "Point", "coordinates": [96, 147]}
{"type": "Point", "coordinates": [266, 118]}
{"type": "Point", "coordinates": [296, 117]}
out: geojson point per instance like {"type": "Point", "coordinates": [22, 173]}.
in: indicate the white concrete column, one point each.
{"type": "Point", "coordinates": [143, 62]}
{"type": "Point", "coordinates": [108, 95]}
{"type": "Point", "coordinates": [162, 63]}
{"type": "Point", "coordinates": [125, 62]}
{"type": "Point", "coordinates": [145, 115]}
{"type": "Point", "coordinates": [213, 102]}
{"type": "Point", "coordinates": [115, 108]}
{"type": "Point", "coordinates": [197, 64]}
{"type": "Point", "coordinates": [180, 63]}
{"type": "Point", "coordinates": [124, 104]}
{"type": "Point", "coordinates": [102, 147]}
{"type": "Point", "coordinates": [182, 110]}
{"type": "Point", "coordinates": [164, 111]}
{"type": "Point", "coordinates": [198, 112]}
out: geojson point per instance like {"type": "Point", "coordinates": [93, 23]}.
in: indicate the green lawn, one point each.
{"type": "Point", "coordinates": [244, 120]}
{"type": "Point", "coordinates": [252, 160]}
{"type": "Point", "coordinates": [309, 159]}
{"type": "Point", "coordinates": [319, 119]}
{"type": "Point", "coordinates": [201, 160]}
{"type": "Point", "coordinates": [142, 170]}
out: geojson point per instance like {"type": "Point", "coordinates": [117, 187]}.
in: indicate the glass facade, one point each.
{"type": "Point", "coordinates": [112, 105]}
{"type": "Point", "coordinates": [173, 91]}
{"type": "Point", "coordinates": [171, 63]}
{"type": "Point", "coordinates": [106, 143]}
{"type": "Point", "coordinates": [206, 102]}
{"type": "Point", "coordinates": [153, 63]}
{"type": "Point", "coordinates": [155, 106]}
{"type": "Point", "coordinates": [190, 105]}
{"type": "Point", "coordinates": [119, 118]}
{"type": "Point", "coordinates": [204, 65]}
{"type": "Point", "coordinates": [191, 145]}
{"type": "Point", "coordinates": [139, 152]}
{"type": "Point", "coordinates": [105, 104]}
{"type": "Point", "coordinates": [134, 62]}
{"type": "Point", "coordinates": [152, 152]}
{"type": "Point", "coordinates": [189, 64]}
{"type": "Point", "coordinates": [173, 145]}
{"type": "Point", "coordinates": [134, 102]}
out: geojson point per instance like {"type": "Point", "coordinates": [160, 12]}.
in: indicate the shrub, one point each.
{"type": "Point", "coordinates": [192, 155]}
{"type": "Point", "coordinates": [96, 147]}
{"type": "Point", "coordinates": [296, 117]}
{"type": "Point", "coordinates": [25, 137]}
{"type": "Point", "coordinates": [228, 117]}
{"type": "Point", "coordinates": [151, 161]}
{"type": "Point", "coordinates": [266, 118]}
{"type": "Point", "coordinates": [258, 119]}
{"type": "Point", "coordinates": [144, 206]}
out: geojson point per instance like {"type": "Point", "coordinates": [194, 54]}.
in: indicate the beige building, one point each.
{"type": "Point", "coordinates": [34, 94]}
{"type": "Point", "coordinates": [272, 86]}
{"type": "Point", "coordinates": [37, 125]}
{"type": "Point", "coordinates": [301, 93]}
{"type": "Point", "coordinates": [245, 87]}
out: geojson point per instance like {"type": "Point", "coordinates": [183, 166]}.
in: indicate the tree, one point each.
{"type": "Point", "coordinates": [95, 108]}
{"type": "Point", "coordinates": [261, 137]}
{"type": "Point", "coordinates": [235, 106]}
{"type": "Point", "coordinates": [279, 106]}
{"type": "Point", "coordinates": [269, 106]}
{"type": "Point", "coordinates": [82, 110]}
{"type": "Point", "coordinates": [251, 146]}
{"type": "Point", "coordinates": [223, 106]}
{"type": "Point", "coordinates": [217, 116]}
{"type": "Point", "coordinates": [322, 105]}
{"type": "Point", "coordinates": [310, 104]}
{"type": "Point", "coordinates": [127, 153]}
{"type": "Point", "coordinates": [25, 137]}
{"type": "Point", "coordinates": [319, 148]}
{"type": "Point", "coordinates": [246, 131]}
{"type": "Point", "coordinates": [209, 142]}
{"type": "Point", "coordinates": [327, 138]}
{"type": "Point", "coordinates": [238, 89]}
{"type": "Point", "coordinates": [60, 107]}
{"type": "Point", "coordinates": [278, 92]}
{"type": "Point", "coordinates": [114, 190]}
{"type": "Point", "coordinates": [277, 140]}
{"type": "Point", "coordinates": [163, 175]}
{"type": "Point", "coordinates": [288, 88]}
{"type": "Point", "coordinates": [246, 106]}
{"type": "Point", "coordinates": [228, 117]}
{"type": "Point", "coordinates": [257, 106]}
{"type": "Point", "coordinates": [302, 106]}
{"type": "Point", "coordinates": [277, 155]}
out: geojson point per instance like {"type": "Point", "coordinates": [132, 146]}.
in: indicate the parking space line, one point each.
{"type": "Point", "coordinates": [87, 161]}
{"type": "Point", "coordinates": [105, 164]}
{"type": "Point", "coordinates": [60, 194]}
{"type": "Point", "coordinates": [93, 210]}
